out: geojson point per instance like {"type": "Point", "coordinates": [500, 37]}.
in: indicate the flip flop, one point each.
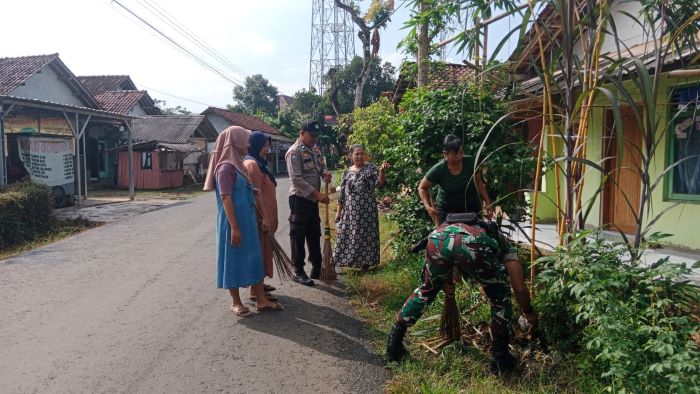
{"type": "Point", "coordinates": [242, 312]}
{"type": "Point", "coordinates": [269, 288]}
{"type": "Point", "coordinates": [267, 295]}
{"type": "Point", "coordinates": [277, 307]}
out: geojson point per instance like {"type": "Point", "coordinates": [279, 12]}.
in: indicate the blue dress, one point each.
{"type": "Point", "coordinates": [242, 265]}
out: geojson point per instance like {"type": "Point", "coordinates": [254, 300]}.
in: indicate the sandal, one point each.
{"type": "Point", "coordinates": [269, 288]}
{"type": "Point", "coordinates": [277, 307]}
{"type": "Point", "coordinates": [241, 312]}
{"type": "Point", "coordinates": [267, 295]}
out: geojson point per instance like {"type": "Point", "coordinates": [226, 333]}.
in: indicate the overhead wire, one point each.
{"type": "Point", "coordinates": [180, 47]}
{"type": "Point", "coordinates": [173, 95]}
{"type": "Point", "coordinates": [170, 20]}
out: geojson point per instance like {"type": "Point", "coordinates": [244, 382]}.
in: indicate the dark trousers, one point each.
{"type": "Point", "coordinates": [304, 227]}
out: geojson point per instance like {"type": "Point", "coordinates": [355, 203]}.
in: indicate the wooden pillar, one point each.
{"type": "Point", "coordinates": [130, 160]}
{"type": "Point", "coordinates": [3, 171]}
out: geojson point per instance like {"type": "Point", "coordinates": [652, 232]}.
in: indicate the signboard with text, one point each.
{"type": "Point", "coordinates": [48, 160]}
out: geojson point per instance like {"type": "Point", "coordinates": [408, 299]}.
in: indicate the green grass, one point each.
{"type": "Point", "coordinates": [459, 367]}
{"type": "Point", "coordinates": [57, 230]}
{"type": "Point", "coordinates": [179, 193]}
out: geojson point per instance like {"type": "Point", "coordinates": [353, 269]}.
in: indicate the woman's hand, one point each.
{"type": "Point", "coordinates": [338, 216]}
{"type": "Point", "coordinates": [432, 212]}
{"type": "Point", "coordinates": [265, 226]}
{"type": "Point", "coordinates": [384, 166]}
{"type": "Point", "coordinates": [236, 236]}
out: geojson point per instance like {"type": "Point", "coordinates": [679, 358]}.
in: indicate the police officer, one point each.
{"type": "Point", "coordinates": [484, 257]}
{"type": "Point", "coordinates": [306, 167]}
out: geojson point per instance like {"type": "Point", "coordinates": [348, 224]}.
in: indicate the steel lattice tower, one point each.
{"type": "Point", "coordinates": [332, 41]}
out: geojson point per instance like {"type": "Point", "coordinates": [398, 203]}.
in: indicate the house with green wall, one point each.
{"type": "Point", "coordinates": [613, 188]}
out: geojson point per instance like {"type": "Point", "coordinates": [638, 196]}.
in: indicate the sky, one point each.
{"type": "Point", "coordinates": [98, 37]}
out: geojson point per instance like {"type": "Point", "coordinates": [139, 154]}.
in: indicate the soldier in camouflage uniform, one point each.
{"type": "Point", "coordinates": [487, 259]}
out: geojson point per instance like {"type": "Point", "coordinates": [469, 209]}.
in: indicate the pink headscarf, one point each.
{"type": "Point", "coordinates": [225, 152]}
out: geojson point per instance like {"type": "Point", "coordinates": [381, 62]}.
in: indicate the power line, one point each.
{"type": "Point", "coordinates": [181, 48]}
{"type": "Point", "coordinates": [173, 95]}
{"type": "Point", "coordinates": [169, 19]}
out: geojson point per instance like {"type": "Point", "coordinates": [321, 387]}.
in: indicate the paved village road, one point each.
{"type": "Point", "coordinates": [132, 307]}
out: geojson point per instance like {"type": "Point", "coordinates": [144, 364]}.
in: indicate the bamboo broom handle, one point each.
{"type": "Point", "coordinates": [327, 208]}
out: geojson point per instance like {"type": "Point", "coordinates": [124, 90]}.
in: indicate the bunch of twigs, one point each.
{"type": "Point", "coordinates": [285, 268]}
{"type": "Point", "coordinates": [450, 324]}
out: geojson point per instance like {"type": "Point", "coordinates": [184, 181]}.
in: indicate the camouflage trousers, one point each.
{"type": "Point", "coordinates": [491, 275]}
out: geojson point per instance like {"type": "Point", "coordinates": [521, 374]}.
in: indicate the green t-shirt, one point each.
{"type": "Point", "coordinates": [456, 193]}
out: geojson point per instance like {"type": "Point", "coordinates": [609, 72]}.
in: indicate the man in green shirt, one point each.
{"type": "Point", "coordinates": [460, 189]}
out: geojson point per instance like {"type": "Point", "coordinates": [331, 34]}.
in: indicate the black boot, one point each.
{"type": "Point", "coordinates": [315, 273]}
{"type": "Point", "coordinates": [501, 359]}
{"type": "Point", "coordinates": [395, 350]}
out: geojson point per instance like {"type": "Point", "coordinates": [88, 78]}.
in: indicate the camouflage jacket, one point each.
{"type": "Point", "coordinates": [470, 247]}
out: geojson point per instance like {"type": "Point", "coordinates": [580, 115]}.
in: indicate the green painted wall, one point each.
{"type": "Point", "coordinates": [681, 221]}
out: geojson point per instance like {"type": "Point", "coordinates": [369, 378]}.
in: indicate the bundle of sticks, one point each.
{"type": "Point", "coordinates": [285, 268]}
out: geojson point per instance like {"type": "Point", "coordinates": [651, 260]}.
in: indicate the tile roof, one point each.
{"type": "Point", "coordinates": [246, 121]}
{"type": "Point", "coordinates": [98, 84]}
{"type": "Point", "coordinates": [121, 101]}
{"type": "Point", "coordinates": [440, 76]}
{"type": "Point", "coordinates": [54, 106]}
{"type": "Point", "coordinates": [169, 128]}
{"type": "Point", "coordinates": [14, 71]}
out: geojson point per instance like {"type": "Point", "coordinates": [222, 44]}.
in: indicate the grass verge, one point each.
{"type": "Point", "coordinates": [459, 367]}
{"type": "Point", "coordinates": [178, 193]}
{"type": "Point", "coordinates": [57, 230]}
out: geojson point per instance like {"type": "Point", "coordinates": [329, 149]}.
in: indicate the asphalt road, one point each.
{"type": "Point", "coordinates": [133, 307]}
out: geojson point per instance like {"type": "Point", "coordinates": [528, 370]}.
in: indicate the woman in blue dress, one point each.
{"type": "Point", "coordinates": [239, 257]}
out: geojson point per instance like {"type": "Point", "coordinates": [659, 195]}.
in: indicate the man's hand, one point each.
{"type": "Point", "coordinates": [532, 318]}
{"type": "Point", "coordinates": [236, 236]}
{"type": "Point", "coordinates": [322, 197]}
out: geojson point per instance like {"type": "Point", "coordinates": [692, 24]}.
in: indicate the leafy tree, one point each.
{"type": "Point", "coordinates": [376, 17]}
{"type": "Point", "coordinates": [380, 78]}
{"type": "Point", "coordinates": [308, 104]}
{"type": "Point", "coordinates": [177, 110]}
{"type": "Point", "coordinates": [257, 95]}
{"type": "Point", "coordinates": [376, 127]}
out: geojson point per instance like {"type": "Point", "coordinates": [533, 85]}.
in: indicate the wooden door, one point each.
{"type": "Point", "coordinates": [625, 182]}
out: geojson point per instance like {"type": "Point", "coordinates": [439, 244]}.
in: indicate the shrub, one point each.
{"type": "Point", "coordinates": [376, 127]}
{"type": "Point", "coordinates": [632, 323]}
{"type": "Point", "coordinates": [470, 113]}
{"type": "Point", "coordinates": [25, 212]}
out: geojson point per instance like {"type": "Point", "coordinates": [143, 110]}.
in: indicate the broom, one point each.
{"type": "Point", "coordinates": [327, 268]}
{"type": "Point", "coordinates": [284, 265]}
{"type": "Point", "coordinates": [450, 320]}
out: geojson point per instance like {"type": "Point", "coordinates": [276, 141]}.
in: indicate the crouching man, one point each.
{"type": "Point", "coordinates": [483, 255]}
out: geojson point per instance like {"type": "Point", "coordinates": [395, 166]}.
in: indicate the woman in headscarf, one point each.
{"type": "Point", "coordinates": [263, 180]}
{"type": "Point", "coordinates": [239, 259]}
